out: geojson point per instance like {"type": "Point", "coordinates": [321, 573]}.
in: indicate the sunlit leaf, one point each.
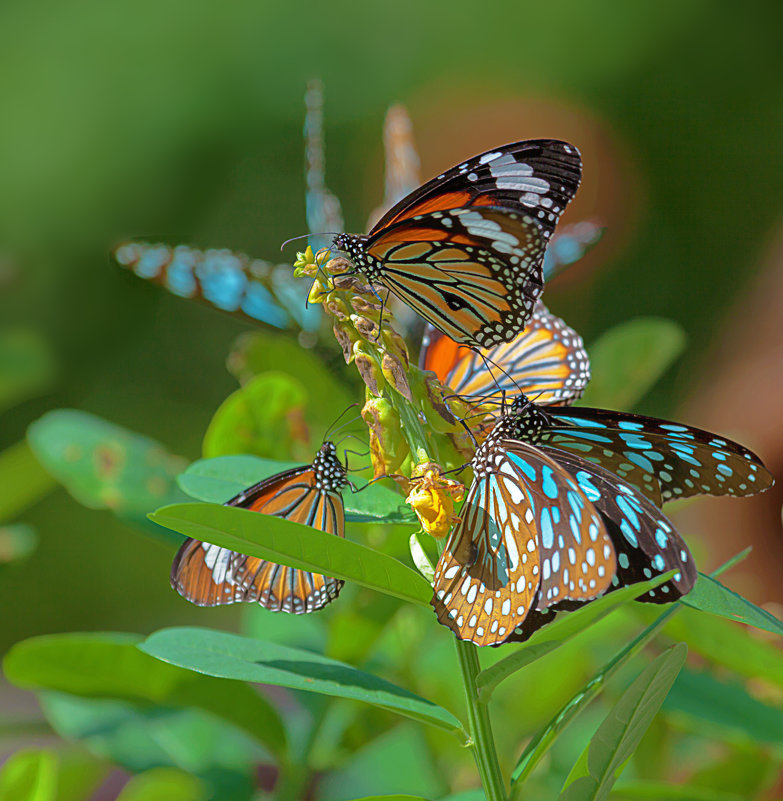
{"type": "Point", "coordinates": [295, 545]}
{"type": "Point", "coordinates": [108, 665]}
{"type": "Point", "coordinates": [23, 479]}
{"type": "Point", "coordinates": [29, 775]}
{"type": "Point", "coordinates": [79, 774]}
{"type": "Point", "coordinates": [265, 418]}
{"type": "Point", "coordinates": [16, 542]}
{"type": "Point", "coordinates": [629, 358]}
{"type": "Point", "coordinates": [217, 653]}
{"type": "Point", "coordinates": [709, 595]}
{"type": "Point", "coordinates": [618, 736]}
{"type": "Point", "coordinates": [725, 706]}
{"type": "Point", "coordinates": [105, 466]}
{"type": "Point", "coordinates": [220, 479]}
{"type": "Point", "coordinates": [163, 784]}
{"type": "Point", "coordinates": [26, 366]}
{"type": "Point", "coordinates": [257, 352]}
{"type": "Point", "coordinates": [562, 629]}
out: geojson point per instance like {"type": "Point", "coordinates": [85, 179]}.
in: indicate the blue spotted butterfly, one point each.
{"type": "Point", "coordinates": [543, 529]}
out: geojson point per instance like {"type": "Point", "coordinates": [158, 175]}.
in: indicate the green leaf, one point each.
{"type": "Point", "coordinates": [265, 417]}
{"type": "Point", "coordinates": [540, 744]}
{"type": "Point", "coordinates": [219, 479]}
{"type": "Point", "coordinates": [399, 761]}
{"type": "Point", "coordinates": [108, 665]}
{"type": "Point", "coordinates": [561, 630]}
{"type": "Point", "coordinates": [138, 737]}
{"type": "Point", "coordinates": [629, 358]}
{"type": "Point", "coordinates": [29, 775]}
{"type": "Point", "coordinates": [23, 479]}
{"type": "Point", "coordinates": [230, 656]}
{"type": "Point", "coordinates": [295, 545]}
{"type": "Point", "coordinates": [105, 466]}
{"type": "Point", "coordinates": [390, 798]}
{"type": "Point", "coordinates": [258, 352]}
{"type": "Point", "coordinates": [660, 791]}
{"type": "Point", "coordinates": [163, 784]}
{"type": "Point", "coordinates": [725, 706]}
{"type": "Point", "coordinates": [79, 774]}
{"type": "Point", "coordinates": [724, 643]}
{"type": "Point", "coordinates": [26, 366]}
{"type": "Point", "coordinates": [709, 595]}
{"type": "Point", "coordinates": [619, 735]}
{"type": "Point", "coordinates": [16, 542]}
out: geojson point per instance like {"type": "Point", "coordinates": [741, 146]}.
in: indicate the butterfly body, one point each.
{"type": "Point", "coordinates": [208, 575]}
{"type": "Point", "coordinates": [465, 250]}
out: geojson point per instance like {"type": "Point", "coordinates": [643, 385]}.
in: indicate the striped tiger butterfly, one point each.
{"type": "Point", "coordinates": [208, 575]}
{"type": "Point", "coordinates": [663, 459]}
{"type": "Point", "coordinates": [547, 360]}
{"type": "Point", "coordinates": [465, 249]}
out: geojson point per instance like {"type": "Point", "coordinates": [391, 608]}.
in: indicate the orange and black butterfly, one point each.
{"type": "Point", "coordinates": [208, 575]}
{"type": "Point", "coordinates": [547, 361]}
{"type": "Point", "coordinates": [465, 250]}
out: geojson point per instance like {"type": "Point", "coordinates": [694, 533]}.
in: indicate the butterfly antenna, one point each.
{"type": "Point", "coordinates": [306, 236]}
{"type": "Point", "coordinates": [339, 417]}
{"type": "Point", "coordinates": [487, 361]}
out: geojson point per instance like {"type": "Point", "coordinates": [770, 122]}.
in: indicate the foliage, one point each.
{"type": "Point", "coordinates": [328, 706]}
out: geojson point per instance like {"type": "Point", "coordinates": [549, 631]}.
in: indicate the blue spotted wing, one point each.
{"type": "Point", "coordinates": [645, 541]}
{"type": "Point", "coordinates": [528, 538]}
{"type": "Point", "coordinates": [682, 460]}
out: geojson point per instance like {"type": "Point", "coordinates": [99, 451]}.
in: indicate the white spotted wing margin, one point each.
{"type": "Point", "coordinates": [528, 538]}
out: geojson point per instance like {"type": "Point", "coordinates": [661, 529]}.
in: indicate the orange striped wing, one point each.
{"type": "Point", "coordinates": [208, 575]}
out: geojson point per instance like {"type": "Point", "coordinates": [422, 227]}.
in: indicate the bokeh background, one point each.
{"type": "Point", "coordinates": [182, 122]}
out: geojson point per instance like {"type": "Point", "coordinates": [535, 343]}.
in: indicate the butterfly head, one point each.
{"type": "Point", "coordinates": [523, 420]}
{"type": "Point", "coordinates": [355, 247]}
{"type": "Point", "coordinates": [329, 471]}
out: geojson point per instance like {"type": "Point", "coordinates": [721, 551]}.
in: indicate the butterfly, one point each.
{"type": "Point", "coordinates": [465, 249]}
{"type": "Point", "coordinates": [232, 282]}
{"type": "Point", "coordinates": [528, 538]}
{"type": "Point", "coordinates": [208, 575]}
{"type": "Point", "coordinates": [581, 530]}
{"type": "Point", "coordinates": [663, 459]}
{"type": "Point", "coordinates": [547, 360]}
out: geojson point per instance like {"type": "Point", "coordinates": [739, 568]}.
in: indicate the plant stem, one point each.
{"type": "Point", "coordinates": [479, 725]}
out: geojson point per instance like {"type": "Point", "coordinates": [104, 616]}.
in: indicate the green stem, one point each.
{"type": "Point", "coordinates": [411, 427]}
{"type": "Point", "coordinates": [479, 725]}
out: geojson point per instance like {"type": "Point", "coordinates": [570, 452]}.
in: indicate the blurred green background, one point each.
{"type": "Point", "coordinates": [182, 122]}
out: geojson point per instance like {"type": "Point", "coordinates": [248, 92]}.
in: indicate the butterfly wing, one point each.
{"type": "Point", "coordinates": [208, 575]}
{"type": "Point", "coordinates": [547, 361]}
{"type": "Point", "coordinates": [475, 274]}
{"type": "Point", "coordinates": [526, 539]}
{"type": "Point", "coordinates": [683, 460]}
{"type": "Point", "coordinates": [646, 542]}
{"type": "Point", "coordinates": [538, 177]}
